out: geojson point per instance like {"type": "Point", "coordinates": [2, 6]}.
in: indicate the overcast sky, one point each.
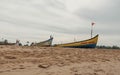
{"type": "Point", "coordinates": [66, 20]}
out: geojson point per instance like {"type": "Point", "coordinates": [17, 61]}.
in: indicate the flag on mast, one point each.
{"type": "Point", "coordinates": [92, 23]}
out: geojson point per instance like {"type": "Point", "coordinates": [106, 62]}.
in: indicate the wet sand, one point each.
{"type": "Point", "coordinates": [58, 61]}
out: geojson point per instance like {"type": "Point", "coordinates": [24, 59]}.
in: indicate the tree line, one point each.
{"type": "Point", "coordinates": [108, 47]}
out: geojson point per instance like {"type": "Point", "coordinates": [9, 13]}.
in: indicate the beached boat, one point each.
{"type": "Point", "coordinates": [89, 43]}
{"type": "Point", "coordinates": [5, 42]}
{"type": "Point", "coordinates": [46, 43]}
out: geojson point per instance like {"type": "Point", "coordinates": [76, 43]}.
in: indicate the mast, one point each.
{"type": "Point", "coordinates": [92, 29]}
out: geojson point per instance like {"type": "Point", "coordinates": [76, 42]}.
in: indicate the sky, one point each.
{"type": "Point", "coordinates": [65, 20]}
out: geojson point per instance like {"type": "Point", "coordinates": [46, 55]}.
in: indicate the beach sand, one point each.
{"type": "Point", "coordinates": [58, 61]}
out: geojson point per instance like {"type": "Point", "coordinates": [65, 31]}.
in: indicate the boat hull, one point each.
{"type": "Point", "coordinates": [46, 43]}
{"type": "Point", "coordinates": [90, 43]}
{"type": "Point", "coordinates": [83, 46]}
{"type": "Point", "coordinates": [4, 43]}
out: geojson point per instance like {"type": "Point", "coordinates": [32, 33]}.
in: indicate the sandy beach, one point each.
{"type": "Point", "coordinates": [58, 61]}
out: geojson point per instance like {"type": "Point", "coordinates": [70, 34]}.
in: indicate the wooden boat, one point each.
{"type": "Point", "coordinates": [2, 43]}
{"type": "Point", "coordinates": [89, 43]}
{"type": "Point", "coordinates": [5, 42]}
{"type": "Point", "coordinates": [46, 43]}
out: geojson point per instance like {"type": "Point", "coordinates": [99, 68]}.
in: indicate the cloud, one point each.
{"type": "Point", "coordinates": [108, 13]}
{"type": "Point", "coordinates": [40, 15]}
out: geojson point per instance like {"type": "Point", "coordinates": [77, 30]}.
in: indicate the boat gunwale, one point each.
{"type": "Point", "coordinates": [80, 41]}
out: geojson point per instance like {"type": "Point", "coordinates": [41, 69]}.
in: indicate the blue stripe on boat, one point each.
{"type": "Point", "coordinates": [84, 46]}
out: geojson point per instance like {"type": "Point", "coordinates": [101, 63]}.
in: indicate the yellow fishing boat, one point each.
{"type": "Point", "coordinates": [89, 43]}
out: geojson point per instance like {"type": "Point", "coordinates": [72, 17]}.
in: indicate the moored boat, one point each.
{"type": "Point", "coordinates": [46, 43]}
{"type": "Point", "coordinates": [89, 43]}
{"type": "Point", "coordinates": [5, 42]}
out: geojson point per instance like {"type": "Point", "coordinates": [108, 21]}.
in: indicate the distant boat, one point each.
{"type": "Point", "coordinates": [89, 43]}
{"type": "Point", "coordinates": [46, 43]}
{"type": "Point", "coordinates": [5, 42]}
